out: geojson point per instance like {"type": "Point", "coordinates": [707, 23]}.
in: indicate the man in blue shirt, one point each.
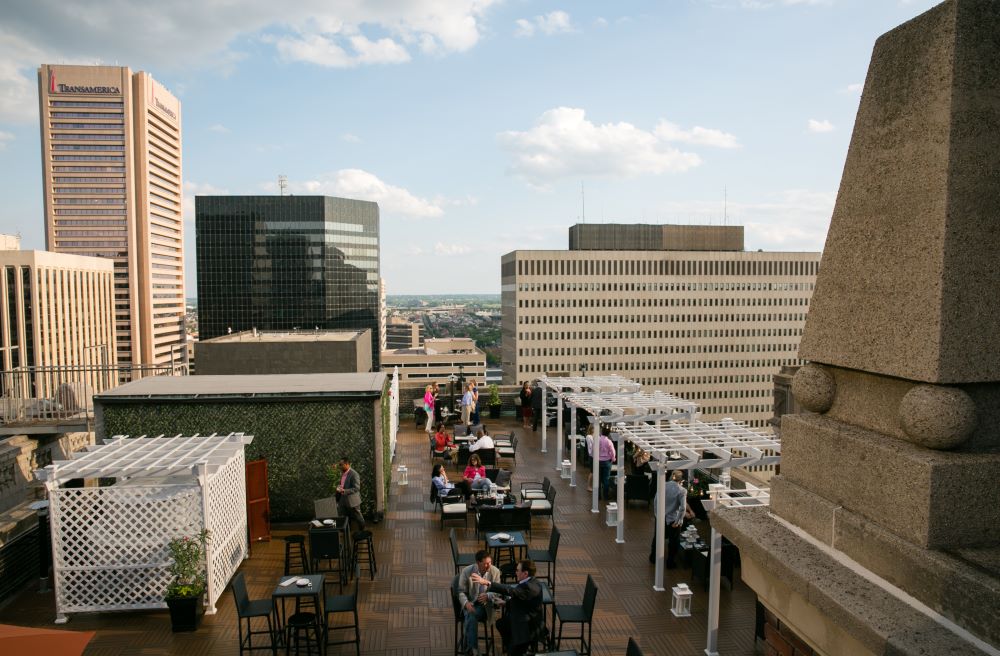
{"type": "Point", "coordinates": [675, 498]}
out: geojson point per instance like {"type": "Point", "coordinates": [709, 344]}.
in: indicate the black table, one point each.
{"type": "Point", "coordinates": [496, 547]}
{"type": "Point", "coordinates": [344, 524]}
{"type": "Point", "coordinates": [282, 593]}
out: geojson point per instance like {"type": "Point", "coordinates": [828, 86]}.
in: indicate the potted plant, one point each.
{"type": "Point", "coordinates": [186, 590]}
{"type": "Point", "coordinates": [494, 402]}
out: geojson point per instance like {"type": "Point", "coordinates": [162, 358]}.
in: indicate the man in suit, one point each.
{"type": "Point", "coordinates": [523, 624]}
{"type": "Point", "coordinates": [536, 406]}
{"type": "Point", "coordinates": [349, 494]}
{"type": "Point", "coordinates": [476, 602]}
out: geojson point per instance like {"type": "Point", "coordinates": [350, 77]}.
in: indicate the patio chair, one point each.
{"type": "Point", "coordinates": [486, 633]}
{"type": "Point", "coordinates": [348, 603]}
{"type": "Point", "coordinates": [327, 544]}
{"type": "Point", "coordinates": [459, 430]}
{"type": "Point", "coordinates": [247, 609]}
{"type": "Point", "coordinates": [633, 648]}
{"type": "Point", "coordinates": [452, 506]}
{"type": "Point", "coordinates": [508, 452]}
{"type": "Point", "coordinates": [547, 556]}
{"type": "Point", "coordinates": [459, 559]}
{"type": "Point", "coordinates": [531, 490]}
{"type": "Point", "coordinates": [325, 508]}
{"type": "Point", "coordinates": [582, 615]}
{"type": "Point", "coordinates": [488, 457]}
{"type": "Point", "coordinates": [545, 507]}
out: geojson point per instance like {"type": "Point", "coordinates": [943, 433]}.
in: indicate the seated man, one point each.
{"type": "Point", "coordinates": [522, 625]}
{"type": "Point", "coordinates": [477, 603]}
{"type": "Point", "coordinates": [443, 443]}
{"type": "Point", "coordinates": [440, 479]}
{"type": "Point", "coordinates": [483, 441]}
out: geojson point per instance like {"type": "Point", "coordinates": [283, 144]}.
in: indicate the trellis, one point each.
{"type": "Point", "coordinates": [562, 385]}
{"type": "Point", "coordinates": [109, 542]}
{"type": "Point", "coordinates": [614, 408]}
{"type": "Point", "coordinates": [717, 445]}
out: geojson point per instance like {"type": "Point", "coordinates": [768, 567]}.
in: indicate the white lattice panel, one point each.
{"type": "Point", "coordinates": [109, 551]}
{"type": "Point", "coordinates": [227, 521]}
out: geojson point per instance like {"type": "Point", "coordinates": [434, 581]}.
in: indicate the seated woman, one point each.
{"type": "Point", "coordinates": [443, 442]}
{"type": "Point", "coordinates": [440, 479]}
{"type": "Point", "coordinates": [475, 474]}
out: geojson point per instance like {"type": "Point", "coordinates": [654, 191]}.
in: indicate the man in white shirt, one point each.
{"type": "Point", "coordinates": [482, 442]}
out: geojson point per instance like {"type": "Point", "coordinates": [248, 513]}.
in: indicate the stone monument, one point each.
{"type": "Point", "coordinates": [883, 535]}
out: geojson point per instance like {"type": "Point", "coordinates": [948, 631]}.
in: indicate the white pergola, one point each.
{"type": "Point", "coordinates": [562, 385]}
{"type": "Point", "coordinates": [615, 408]}
{"type": "Point", "coordinates": [717, 445]}
{"type": "Point", "coordinates": [109, 542]}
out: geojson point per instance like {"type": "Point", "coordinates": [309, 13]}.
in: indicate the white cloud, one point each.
{"type": "Point", "coordinates": [350, 138]}
{"type": "Point", "coordinates": [600, 21]}
{"type": "Point", "coordinates": [184, 33]}
{"type": "Point", "coordinates": [697, 135]}
{"type": "Point", "coordinates": [819, 126]}
{"type": "Point", "coordinates": [451, 249]}
{"type": "Point", "coordinates": [5, 137]}
{"type": "Point", "coordinates": [563, 143]}
{"type": "Point", "coordinates": [854, 89]}
{"type": "Point", "coordinates": [192, 189]}
{"type": "Point", "coordinates": [554, 22]}
{"type": "Point", "coordinates": [220, 128]}
{"type": "Point", "coordinates": [362, 185]}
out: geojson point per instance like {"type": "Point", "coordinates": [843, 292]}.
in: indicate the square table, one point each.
{"type": "Point", "coordinates": [282, 593]}
{"type": "Point", "coordinates": [496, 547]}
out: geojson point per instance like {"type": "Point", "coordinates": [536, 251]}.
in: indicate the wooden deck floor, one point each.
{"type": "Point", "coordinates": [406, 610]}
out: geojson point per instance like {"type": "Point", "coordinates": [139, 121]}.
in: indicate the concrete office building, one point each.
{"type": "Point", "coordinates": [403, 334]}
{"type": "Point", "coordinates": [280, 263]}
{"type": "Point", "coordinates": [436, 361]}
{"type": "Point", "coordinates": [57, 310]}
{"type": "Point", "coordinates": [685, 310]}
{"type": "Point", "coordinates": [111, 168]}
{"type": "Point", "coordinates": [254, 352]}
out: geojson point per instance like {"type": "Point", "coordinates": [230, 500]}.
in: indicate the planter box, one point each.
{"type": "Point", "coordinates": [185, 612]}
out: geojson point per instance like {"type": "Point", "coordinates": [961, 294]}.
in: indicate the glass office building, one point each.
{"type": "Point", "coordinates": [287, 263]}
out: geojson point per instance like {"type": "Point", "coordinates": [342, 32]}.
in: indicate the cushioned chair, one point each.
{"type": "Point", "coordinates": [582, 615]}
{"type": "Point", "coordinates": [326, 545]}
{"type": "Point", "coordinates": [545, 507]}
{"type": "Point", "coordinates": [451, 507]}
{"type": "Point", "coordinates": [531, 490]}
{"type": "Point", "coordinates": [488, 457]}
{"type": "Point", "coordinates": [347, 603]}
{"type": "Point", "coordinates": [459, 559]}
{"type": "Point", "coordinates": [508, 452]}
{"type": "Point", "coordinates": [247, 609]}
{"type": "Point", "coordinates": [547, 556]}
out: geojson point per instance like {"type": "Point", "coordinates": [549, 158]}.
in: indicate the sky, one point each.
{"type": "Point", "coordinates": [479, 126]}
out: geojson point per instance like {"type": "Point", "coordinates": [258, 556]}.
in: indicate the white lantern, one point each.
{"type": "Point", "coordinates": [567, 467]}
{"type": "Point", "coordinates": [612, 519]}
{"type": "Point", "coordinates": [681, 600]}
{"type": "Point", "coordinates": [402, 475]}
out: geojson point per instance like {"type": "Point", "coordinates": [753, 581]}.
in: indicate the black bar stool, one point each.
{"type": "Point", "coordinates": [364, 550]}
{"type": "Point", "coordinates": [295, 555]}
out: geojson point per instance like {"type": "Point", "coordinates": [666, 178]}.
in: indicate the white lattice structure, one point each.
{"type": "Point", "coordinates": [109, 542]}
{"type": "Point", "coordinates": [393, 411]}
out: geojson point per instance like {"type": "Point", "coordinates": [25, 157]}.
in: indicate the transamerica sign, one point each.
{"type": "Point", "coordinates": [72, 88]}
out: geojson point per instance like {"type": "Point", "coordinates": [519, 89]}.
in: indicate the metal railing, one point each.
{"type": "Point", "coordinates": [44, 394]}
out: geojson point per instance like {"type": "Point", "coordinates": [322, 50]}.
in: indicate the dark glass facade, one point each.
{"type": "Point", "coordinates": [287, 262]}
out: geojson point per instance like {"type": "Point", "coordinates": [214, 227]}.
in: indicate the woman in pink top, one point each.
{"type": "Point", "coordinates": [475, 473]}
{"type": "Point", "coordinates": [429, 408]}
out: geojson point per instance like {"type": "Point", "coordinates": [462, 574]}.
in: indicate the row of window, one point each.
{"type": "Point", "coordinates": [660, 302]}
{"type": "Point", "coordinates": [117, 179]}
{"type": "Point", "coordinates": [743, 286]}
{"type": "Point", "coordinates": [88, 169]}
{"type": "Point", "coordinates": [654, 350]}
{"type": "Point", "coordinates": [86, 136]}
{"type": "Point", "coordinates": [662, 334]}
{"type": "Point", "coordinates": [86, 115]}
{"type": "Point", "coordinates": [667, 267]}
{"type": "Point", "coordinates": [93, 147]}
{"type": "Point", "coordinates": [90, 190]}
{"type": "Point", "coordinates": [662, 318]}
{"type": "Point", "coordinates": [83, 211]}
{"type": "Point", "coordinates": [670, 381]}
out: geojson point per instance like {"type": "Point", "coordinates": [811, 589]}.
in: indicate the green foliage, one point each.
{"type": "Point", "coordinates": [188, 567]}
{"type": "Point", "coordinates": [494, 394]}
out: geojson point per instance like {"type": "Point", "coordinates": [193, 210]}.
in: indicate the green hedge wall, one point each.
{"type": "Point", "coordinates": [299, 440]}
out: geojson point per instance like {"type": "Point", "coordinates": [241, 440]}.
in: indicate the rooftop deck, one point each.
{"type": "Point", "coordinates": [406, 610]}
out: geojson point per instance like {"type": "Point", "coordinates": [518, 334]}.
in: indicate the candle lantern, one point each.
{"type": "Point", "coordinates": [567, 467]}
{"type": "Point", "coordinates": [612, 518]}
{"type": "Point", "coordinates": [681, 600]}
{"type": "Point", "coordinates": [402, 475]}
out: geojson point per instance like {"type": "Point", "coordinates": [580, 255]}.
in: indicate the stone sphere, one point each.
{"type": "Point", "coordinates": [937, 417]}
{"type": "Point", "coordinates": [814, 387]}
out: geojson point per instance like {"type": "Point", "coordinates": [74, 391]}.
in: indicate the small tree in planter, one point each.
{"type": "Point", "coordinates": [186, 591]}
{"type": "Point", "coordinates": [494, 402]}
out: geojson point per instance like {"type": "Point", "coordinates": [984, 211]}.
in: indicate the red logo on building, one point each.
{"type": "Point", "coordinates": [52, 81]}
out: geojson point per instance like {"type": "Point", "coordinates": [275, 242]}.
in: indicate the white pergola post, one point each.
{"type": "Point", "coordinates": [661, 511]}
{"type": "Point", "coordinates": [620, 440]}
{"type": "Point", "coordinates": [544, 420]}
{"type": "Point", "coordinates": [572, 455]}
{"type": "Point", "coordinates": [559, 428]}
{"type": "Point", "coordinates": [206, 521]}
{"type": "Point", "coordinates": [715, 575]}
{"type": "Point", "coordinates": [595, 460]}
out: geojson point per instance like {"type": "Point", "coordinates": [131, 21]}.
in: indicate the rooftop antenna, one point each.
{"type": "Point", "coordinates": [725, 205]}
{"type": "Point", "coordinates": [583, 203]}
{"type": "Point", "coordinates": [282, 183]}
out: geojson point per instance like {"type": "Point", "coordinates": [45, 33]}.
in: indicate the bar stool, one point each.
{"type": "Point", "coordinates": [295, 554]}
{"type": "Point", "coordinates": [302, 628]}
{"type": "Point", "coordinates": [363, 549]}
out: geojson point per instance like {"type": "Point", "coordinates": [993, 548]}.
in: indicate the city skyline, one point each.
{"type": "Point", "coordinates": [476, 126]}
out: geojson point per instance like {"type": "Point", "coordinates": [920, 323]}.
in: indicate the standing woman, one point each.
{"type": "Point", "coordinates": [475, 403]}
{"type": "Point", "coordinates": [525, 395]}
{"type": "Point", "coordinates": [467, 404]}
{"type": "Point", "coordinates": [429, 409]}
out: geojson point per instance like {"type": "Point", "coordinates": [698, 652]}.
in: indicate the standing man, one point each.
{"type": "Point", "coordinates": [536, 406]}
{"type": "Point", "coordinates": [467, 404]}
{"type": "Point", "coordinates": [606, 456]}
{"type": "Point", "coordinates": [675, 498]}
{"type": "Point", "coordinates": [349, 494]}
{"type": "Point", "coordinates": [475, 403]}
{"type": "Point", "coordinates": [477, 603]}
{"type": "Point", "coordinates": [522, 625]}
